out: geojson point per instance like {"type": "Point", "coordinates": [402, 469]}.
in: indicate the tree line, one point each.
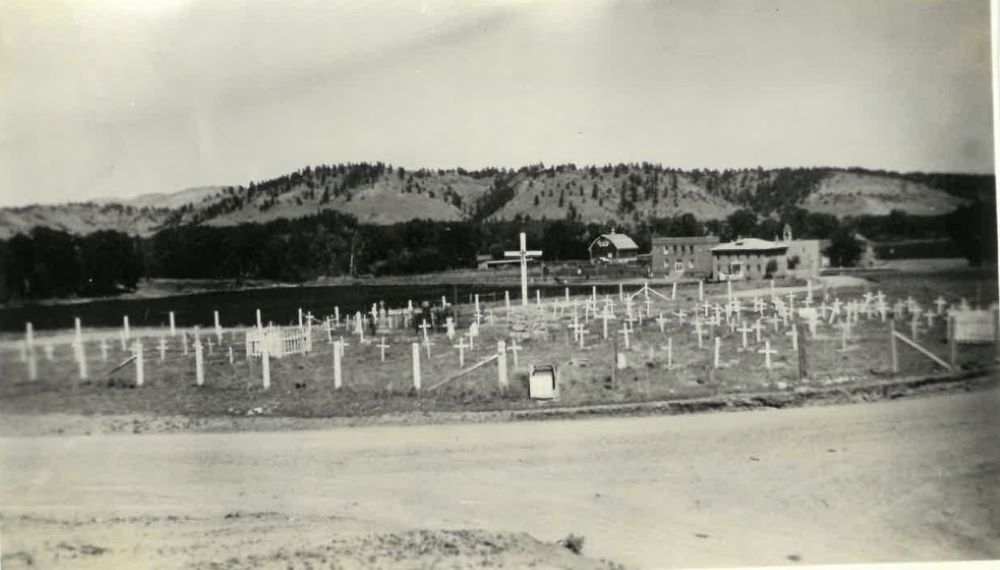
{"type": "Point", "coordinates": [46, 263]}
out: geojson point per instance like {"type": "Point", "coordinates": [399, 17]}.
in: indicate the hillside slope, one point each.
{"type": "Point", "coordinates": [380, 194]}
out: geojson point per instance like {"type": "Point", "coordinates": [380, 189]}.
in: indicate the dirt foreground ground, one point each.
{"type": "Point", "coordinates": [908, 480]}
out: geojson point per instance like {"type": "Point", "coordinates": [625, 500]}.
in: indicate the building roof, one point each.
{"type": "Point", "coordinates": [620, 241]}
{"type": "Point", "coordinates": [685, 240]}
{"type": "Point", "coordinates": [749, 244]}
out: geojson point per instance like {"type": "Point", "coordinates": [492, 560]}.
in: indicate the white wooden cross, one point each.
{"type": "Point", "coordinates": [162, 346]}
{"type": "Point", "coordinates": [794, 334]}
{"type": "Point", "coordinates": [424, 326]}
{"type": "Point", "coordinates": [941, 304]}
{"type": "Point", "coordinates": [449, 326]}
{"type": "Point", "coordinates": [461, 346]}
{"type": "Point", "coordinates": [523, 254]}
{"type": "Point", "coordinates": [680, 314]}
{"type": "Point", "coordinates": [604, 321]}
{"type": "Point", "coordinates": [744, 330]}
{"type": "Point", "coordinates": [758, 326]}
{"type": "Point", "coordinates": [767, 352]}
{"type": "Point", "coordinates": [661, 321]}
{"type": "Point", "coordinates": [581, 333]}
{"type": "Point", "coordinates": [698, 330]}
{"type": "Point", "coordinates": [428, 343]}
{"type": "Point", "coordinates": [625, 332]}
{"type": "Point", "coordinates": [490, 317]}
{"type": "Point", "coordinates": [382, 346]}
{"type": "Point", "coordinates": [513, 348]}
{"type": "Point", "coordinates": [706, 306]}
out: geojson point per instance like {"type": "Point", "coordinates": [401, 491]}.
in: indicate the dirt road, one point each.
{"type": "Point", "coordinates": [916, 479]}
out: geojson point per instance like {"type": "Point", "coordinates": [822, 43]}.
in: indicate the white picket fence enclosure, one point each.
{"type": "Point", "coordinates": [975, 326]}
{"type": "Point", "coordinates": [280, 341]}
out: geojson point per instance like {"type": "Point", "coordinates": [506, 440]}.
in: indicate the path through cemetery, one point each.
{"type": "Point", "coordinates": [915, 479]}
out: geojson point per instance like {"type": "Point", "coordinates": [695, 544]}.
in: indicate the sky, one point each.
{"type": "Point", "coordinates": [115, 98]}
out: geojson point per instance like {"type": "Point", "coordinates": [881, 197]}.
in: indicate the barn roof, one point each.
{"type": "Point", "coordinates": [620, 241]}
{"type": "Point", "coordinates": [749, 244]}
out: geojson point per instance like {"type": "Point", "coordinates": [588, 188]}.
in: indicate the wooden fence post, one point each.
{"type": "Point", "coordinates": [415, 349]}
{"type": "Point", "coordinates": [139, 364]}
{"type": "Point", "coordinates": [199, 370]}
{"type": "Point", "coordinates": [803, 361]}
{"type": "Point", "coordinates": [29, 338]}
{"type": "Point", "coordinates": [502, 364]}
{"type": "Point", "coordinates": [952, 345]}
{"type": "Point", "coordinates": [81, 359]}
{"type": "Point", "coordinates": [337, 371]}
{"type": "Point", "coordinates": [893, 351]}
{"type": "Point", "coordinates": [265, 364]}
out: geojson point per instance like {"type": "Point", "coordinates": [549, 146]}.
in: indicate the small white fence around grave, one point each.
{"type": "Point", "coordinates": [975, 326]}
{"type": "Point", "coordinates": [279, 341]}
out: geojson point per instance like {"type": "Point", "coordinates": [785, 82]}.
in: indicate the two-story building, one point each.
{"type": "Point", "coordinates": [749, 258]}
{"type": "Point", "coordinates": [682, 256]}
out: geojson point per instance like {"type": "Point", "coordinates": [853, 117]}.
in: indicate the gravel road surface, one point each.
{"type": "Point", "coordinates": [913, 480]}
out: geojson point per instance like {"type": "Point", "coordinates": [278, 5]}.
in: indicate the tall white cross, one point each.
{"type": "Point", "coordinates": [524, 254]}
{"type": "Point", "coordinates": [625, 331]}
{"type": "Point", "coordinates": [767, 352]}
{"type": "Point", "coordinates": [382, 346]}
{"type": "Point", "coordinates": [428, 343]}
{"type": "Point", "coordinates": [461, 346]}
{"type": "Point", "coordinates": [513, 348]}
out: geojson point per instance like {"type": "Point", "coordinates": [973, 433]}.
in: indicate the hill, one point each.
{"type": "Point", "coordinates": [623, 193]}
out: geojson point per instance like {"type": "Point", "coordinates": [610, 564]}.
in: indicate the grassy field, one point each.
{"type": "Point", "coordinates": [302, 386]}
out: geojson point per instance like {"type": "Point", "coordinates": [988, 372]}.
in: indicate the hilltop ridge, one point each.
{"type": "Point", "coordinates": [378, 193]}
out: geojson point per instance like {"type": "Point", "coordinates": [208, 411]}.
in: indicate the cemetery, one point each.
{"type": "Point", "coordinates": [527, 350]}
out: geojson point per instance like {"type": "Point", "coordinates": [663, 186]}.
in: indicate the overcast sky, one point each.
{"type": "Point", "coordinates": [108, 98]}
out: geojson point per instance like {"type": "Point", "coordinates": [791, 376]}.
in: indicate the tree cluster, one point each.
{"type": "Point", "coordinates": [48, 263]}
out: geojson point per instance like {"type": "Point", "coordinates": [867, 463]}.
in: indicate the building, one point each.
{"type": "Point", "coordinates": [682, 256]}
{"type": "Point", "coordinates": [749, 258]}
{"type": "Point", "coordinates": [805, 257]}
{"type": "Point", "coordinates": [613, 248]}
{"type": "Point", "coordinates": [484, 262]}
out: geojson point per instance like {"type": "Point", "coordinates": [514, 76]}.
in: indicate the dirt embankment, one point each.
{"type": "Point", "coordinates": [76, 424]}
{"type": "Point", "coordinates": [270, 541]}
